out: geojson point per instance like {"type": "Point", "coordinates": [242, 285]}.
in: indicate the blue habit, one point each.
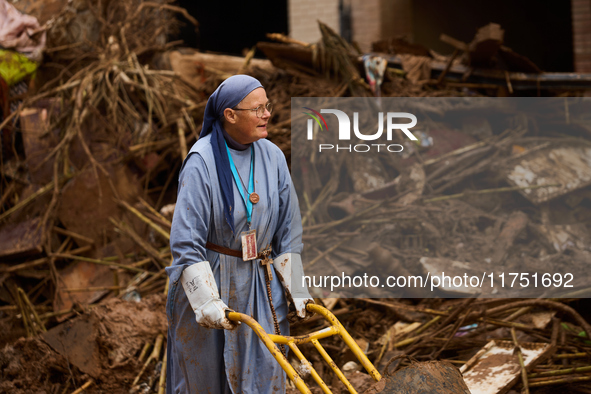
{"type": "Point", "coordinates": [219, 361]}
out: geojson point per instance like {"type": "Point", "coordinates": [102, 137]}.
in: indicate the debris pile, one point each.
{"type": "Point", "coordinates": [92, 142]}
{"type": "Point", "coordinates": [475, 194]}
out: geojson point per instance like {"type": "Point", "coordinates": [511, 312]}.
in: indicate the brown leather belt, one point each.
{"type": "Point", "coordinates": [236, 253]}
{"type": "Point", "coordinates": [223, 250]}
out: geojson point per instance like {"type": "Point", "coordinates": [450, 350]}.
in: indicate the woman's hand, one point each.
{"type": "Point", "coordinates": [202, 292]}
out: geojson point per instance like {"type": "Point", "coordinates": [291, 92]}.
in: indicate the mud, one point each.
{"type": "Point", "coordinates": [120, 330]}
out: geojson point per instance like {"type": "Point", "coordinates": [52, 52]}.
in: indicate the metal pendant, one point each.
{"type": "Point", "coordinates": [254, 198]}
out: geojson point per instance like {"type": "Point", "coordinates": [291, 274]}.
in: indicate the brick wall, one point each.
{"type": "Point", "coordinates": [396, 19]}
{"type": "Point", "coordinates": [371, 20]}
{"type": "Point", "coordinates": [304, 14]}
{"type": "Point", "coordinates": [581, 17]}
{"type": "Point", "coordinates": [366, 22]}
{"type": "Point", "coordinates": [374, 20]}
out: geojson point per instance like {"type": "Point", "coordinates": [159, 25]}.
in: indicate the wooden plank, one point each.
{"type": "Point", "coordinates": [568, 167]}
{"type": "Point", "coordinates": [516, 223]}
{"type": "Point", "coordinates": [486, 44]}
{"type": "Point", "coordinates": [22, 239]}
{"type": "Point", "coordinates": [495, 368]}
{"type": "Point", "coordinates": [462, 46]}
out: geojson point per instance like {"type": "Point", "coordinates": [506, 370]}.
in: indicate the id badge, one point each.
{"type": "Point", "coordinates": [249, 245]}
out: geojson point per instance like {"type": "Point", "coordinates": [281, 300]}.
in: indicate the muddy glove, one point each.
{"type": "Point", "coordinates": [290, 271]}
{"type": "Point", "coordinates": [203, 295]}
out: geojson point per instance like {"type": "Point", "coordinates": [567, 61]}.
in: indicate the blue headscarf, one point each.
{"type": "Point", "coordinates": [231, 92]}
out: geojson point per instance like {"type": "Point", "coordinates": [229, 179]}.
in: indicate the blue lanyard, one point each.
{"type": "Point", "coordinates": [238, 181]}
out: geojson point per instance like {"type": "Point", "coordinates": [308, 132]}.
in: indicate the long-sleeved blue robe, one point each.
{"type": "Point", "coordinates": [205, 360]}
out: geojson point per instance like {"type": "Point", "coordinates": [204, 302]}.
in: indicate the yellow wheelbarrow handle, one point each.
{"type": "Point", "coordinates": [275, 352]}
{"type": "Point", "coordinates": [336, 328]}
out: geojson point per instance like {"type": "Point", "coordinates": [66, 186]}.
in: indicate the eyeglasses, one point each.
{"type": "Point", "coordinates": [260, 110]}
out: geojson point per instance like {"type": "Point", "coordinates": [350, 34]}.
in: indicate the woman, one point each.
{"type": "Point", "coordinates": [234, 190]}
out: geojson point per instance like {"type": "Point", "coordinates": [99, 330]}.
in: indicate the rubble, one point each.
{"type": "Point", "coordinates": [88, 173]}
{"type": "Point", "coordinates": [422, 378]}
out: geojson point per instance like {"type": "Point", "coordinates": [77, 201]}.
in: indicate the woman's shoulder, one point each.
{"type": "Point", "coordinates": [200, 155]}
{"type": "Point", "coordinates": [269, 147]}
{"type": "Point", "coordinates": [273, 155]}
{"type": "Point", "coordinates": [202, 145]}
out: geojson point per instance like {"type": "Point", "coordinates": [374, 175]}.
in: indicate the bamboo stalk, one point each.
{"type": "Point", "coordinates": [144, 352]}
{"type": "Point", "coordinates": [9, 190]}
{"type": "Point", "coordinates": [287, 40]}
{"type": "Point", "coordinates": [100, 262]}
{"type": "Point", "coordinates": [65, 390]}
{"type": "Point", "coordinates": [156, 219]}
{"type": "Point", "coordinates": [153, 279]}
{"type": "Point", "coordinates": [154, 212]}
{"type": "Point", "coordinates": [329, 250]}
{"type": "Point", "coordinates": [162, 382]}
{"type": "Point", "coordinates": [72, 234]}
{"type": "Point", "coordinates": [546, 304]}
{"type": "Point", "coordinates": [421, 329]}
{"type": "Point", "coordinates": [521, 363]}
{"type": "Point", "coordinates": [181, 127]}
{"type": "Point", "coordinates": [141, 262]}
{"type": "Point", "coordinates": [405, 307]}
{"type": "Point", "coordinates": [22, 266]}
{"type": "Point", "coordinates": [139, 241]}
{"type": "Point", "coordinates": [55, 314]}
{"type": "Point", "coordinates": [153, 357]}
{"type": "Point", "coordinates": [455, 361]}
{"type": "Point", "coordinates": [133, 284]}
{"type": "Point", "coordinates": [87, 289]}
{"type": "Point", "coordinates": [27, 200]}
{"type": "Point", "coordinates": [32, 308]}
{"type": "Point", "coordinates": [384, 347]}
{"type": "Point", "coordinates": [487, 191]}
{"type": "Point", "coordinates": [144, 219]}
{"type": "Point", "coordinates": [153, 144]}
{"type": "Point", "coordinates": [321, 197]}
{"type": "Point", "coordinates": [23, 313]}
{"type": "Point", "coordinates": [150, 289]}
{"type": "Point", "coordinates": [561, 381]}
{"type": "Point", "coordinates": [452, 334]}
{"type": "Point", "coordinates": [517, 313]}
{"type": "Point", "coordinates": [167, 285]}
{"type": "Point", "coordinates": [36, 291]}
{"type": "Point", "coordinates": [116, 281]}
{"type": "Point", "coordinates": [570, 355]}
{"type": "Point", "coordinates": [180, 10]}
{"type": "Point", "coordinates": [84, 387]}
{"type": "Point", "coordinates": [417, 333]}
{"type": "Point", "coordinates": [442, 313]}
{"type": "Point", "coordinates": [83, 249]}
{"type": "Point", "coordinates": [35, 263]}
{"type": "Point", "coordinates": [171, 176]}
{"type": "Point", "coordinates": [560, 372]}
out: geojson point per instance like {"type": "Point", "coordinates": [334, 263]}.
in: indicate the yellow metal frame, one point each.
{"type": "Point", "coordinates": [336, 328]}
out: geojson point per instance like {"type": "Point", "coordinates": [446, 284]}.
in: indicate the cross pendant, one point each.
{"type": "Point", "coordinates": [266, 262]}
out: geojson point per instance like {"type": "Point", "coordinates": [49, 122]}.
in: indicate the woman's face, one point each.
{"type": "Point", "coordinates": [248, 127]}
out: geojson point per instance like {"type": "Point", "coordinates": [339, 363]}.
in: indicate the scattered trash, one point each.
{"type": "Point", "coordinates": [90, 160]}
{"type": "Point", "coordinates": [567, 168]}
{"type": "Point", "coordinates": [496, 367]}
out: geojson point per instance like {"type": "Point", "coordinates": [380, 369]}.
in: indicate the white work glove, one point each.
{"type": "Point", "coordinates": [203, 295]}
{"type": "Point", "coordinates": [290, 271]}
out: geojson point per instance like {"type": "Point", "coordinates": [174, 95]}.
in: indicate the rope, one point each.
{"type": "Point", "coordinates": [265, 257]}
